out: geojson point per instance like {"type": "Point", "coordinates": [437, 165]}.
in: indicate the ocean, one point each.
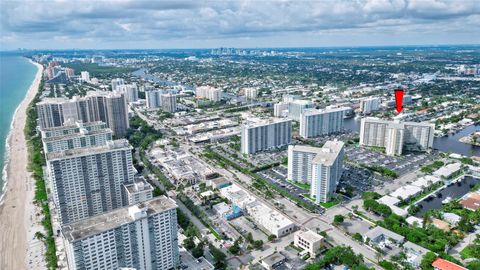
{"type": "Point", "coordinates": [16, 76]}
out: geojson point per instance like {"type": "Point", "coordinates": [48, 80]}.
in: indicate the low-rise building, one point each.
{"type": "Point", "coordinates": [414, 253]}
{"type": "Point", "coordinates": [272, 220]}
{"type": "Point", "coordinates": [448, 170]}
{"type": "Point", "coordinates": [471, 201]}
{"type": "Point", "coordinates": [309, 241]}
{"type": "Point", "coordinates": [382, 237]}
{"type": "Point", "coordinates": [273, 261]}
{"type": "Point", "coordinates": [441, 264]}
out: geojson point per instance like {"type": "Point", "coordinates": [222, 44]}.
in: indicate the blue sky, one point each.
{"type": "Point", "coordinates": [65, 24]}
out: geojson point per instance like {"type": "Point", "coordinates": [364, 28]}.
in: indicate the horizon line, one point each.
{"type": "Point", "coordinates": [256, 48]}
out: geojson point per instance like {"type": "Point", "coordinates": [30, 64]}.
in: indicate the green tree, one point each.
{"type": "Point", "coordinates": [197, 252]}
{"type": "Point", "coordinates": [427, 261]}
{"type": "Point", "coordinates": [188, 243]}
{"type": "Point", "coordinates": [338, 219]}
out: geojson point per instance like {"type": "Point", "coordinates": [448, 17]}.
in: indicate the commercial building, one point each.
{"type": "Point", "coordinates": [142, 236]}
{"type": "Point", "coordinates": [309, 241]}
{"type": "Point", "coordinates": [270, 219]}
{"type": "Point", "coordinates": [368, 105]}
{"type": "Point", "coordinates": [88, 181]}
{"type": "Point", "coordinates": [296, 107]}
{"type": "Point", "coordinates": [321, 168]}
{"type": "Point", "coordinates": [169, 102]}
{"type": "Point", "coordinates": [396, 136]}
{"type": "Point", "coordinates": [75, 135]}
{"type": "Point", "coordinates": [315, 123]}
{"type": "Point", "coordinates": [265, 135]}
{"type": "Point", "coordinates": [108, 107]}
{"type": "Point", "coordinates": [273, 261]}
{"type": "Point", "coordinates": [209, 92]}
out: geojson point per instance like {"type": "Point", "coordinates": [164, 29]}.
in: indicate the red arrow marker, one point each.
{"type": "Point", "coordinates": [399, 99]}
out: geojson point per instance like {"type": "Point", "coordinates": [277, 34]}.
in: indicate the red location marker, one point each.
{"type": "Point", "coordinates": [399, 99]}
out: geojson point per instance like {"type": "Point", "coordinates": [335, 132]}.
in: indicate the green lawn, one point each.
{"type": "Point", "coordinates": [300, 185]}
{"type": "Point", "coordinates": [467, 252]}
{"type": "Point", "coordinates": [322, 204]}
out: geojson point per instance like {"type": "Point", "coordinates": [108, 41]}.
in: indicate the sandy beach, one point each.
{"type": "Point", "coordinates": [17, 211]}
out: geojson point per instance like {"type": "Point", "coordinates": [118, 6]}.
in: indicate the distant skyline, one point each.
{"type": "Point", "coordinates": [129, 24]}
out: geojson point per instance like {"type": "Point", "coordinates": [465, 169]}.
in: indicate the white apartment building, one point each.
{"type": "Point", "coordinates": [117, 84]}
{"type": "Point", "coordinates": [280, 109]}
{"type": "Point", "coordinates": [300, 159]}
{"type": "Point", "coordinates": [154, 98]}
{"type": "Point", "coordinates": [251, 93]}
{"type": "Point", "coordinates": [265, 134]}
{"type": "Point", "coordinates": [321, 168]}
{"type": "Point", "coordinates": [209, 92]}
{"type": "Point", "coordinates": [370, 104]}
{"type": "Point", "coordinates": [88, 181]}
{"type": "Point", "coordinates": [85, 76]}
{"type": "Point", "coordinates": [327, 168]}
{"type": "Point", "coordinates": [142, 237]}
{"type": "Point", "coordinates": [169, 102]}
{"type": "Point", "coordinates": [309, 241]}
{"type": "Point", "coordinates": [396, 136]}
{"type": "Point", "coordinates": [131, 92]}
{"type": "Point", "coordinates": [75, 135]}
{"type": "Point", "coordinates": [108, 107]}
{"type": "Point", "coordinates": [138, 191]}
{"type": "Point", "coordinates": [296, 107]}
{"type": "Point", "coordinates": [314, 123]}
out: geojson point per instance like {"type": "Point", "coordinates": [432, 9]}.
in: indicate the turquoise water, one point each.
{"type": "Point", "coordinates": [16, 76]}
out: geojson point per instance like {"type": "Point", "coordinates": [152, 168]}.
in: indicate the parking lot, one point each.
{"type": "Point", "coordinates": [401, 165]}
{"type": "Point", "coordinates": [245, 226]}
{"type": "Point", "coordinates": [277, 176]}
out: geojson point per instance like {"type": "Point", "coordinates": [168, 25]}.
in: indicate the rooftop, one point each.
{"type": "Point", "coordinates": [111, 145]}
{"type": "Point", "coordinates": [82, 133]}
{"type": "Point", "coordinates": [309, 235]}
{"type": "Point", "coordinates": [446, 265]}
{"type": "Point", "coordinates": [329, 153]}
{"type": "Point", "coordinates": [380, 231]}
{"type": "Point", "coordinates": [273, 259]}
{"type": "Point", "coordinates": [116, 218]}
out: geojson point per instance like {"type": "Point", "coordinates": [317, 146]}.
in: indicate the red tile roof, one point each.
{"type": "Point", "coordinates": [446, 265]}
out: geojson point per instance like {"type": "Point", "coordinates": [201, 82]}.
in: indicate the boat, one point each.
{"type": "Point", "coordinates": [447, 200]}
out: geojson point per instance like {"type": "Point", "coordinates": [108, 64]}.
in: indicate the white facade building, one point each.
{"type": "Point", "coordinates": [75, 135]}
{"type": "Point", "coordinates": [280, 109]}
{"type": "Point", "coordinates": [315, 123]}
{"type": "Point", "coordinates": [251, 93]}
{"type": "Point", "coordinates": [265, 135]}
{"type": "Point", "coordinates": [369, 105]}
{"type": "Point", "coordinates": [108, 107]}
{"type": "Point", "coordinates": [321, 168]}
{"type": "Point", "coordinates": [396, 136]}
{"type": "Point", "coordinates": [117, 84]}
{"type": "Point", "coordinates": [142, 237]}
{"type": "Point", "coordinates": [272, 220]}
{"type": "Point", "coordinates": [209, 92]}
{"type": "Point", "coordinates": [131, 92]}
{"type": "Point", "coordinates": [138, 191]}
{"type": "Point", "coordinates": [309, 241]}
{"type": "Point", "coordinates": [88, 181]}
{"type": "Point", "coordinates": [169, 102]}
{"type": "Point", "coordinates": [296, 107]}
{"type": "Point", "coordinates": [85, 76]}
{"type": "Point", "coordinates": [154, 98]}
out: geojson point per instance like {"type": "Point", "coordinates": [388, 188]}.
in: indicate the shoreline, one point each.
{"type": "Point", "coordinates": [17, 211]}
